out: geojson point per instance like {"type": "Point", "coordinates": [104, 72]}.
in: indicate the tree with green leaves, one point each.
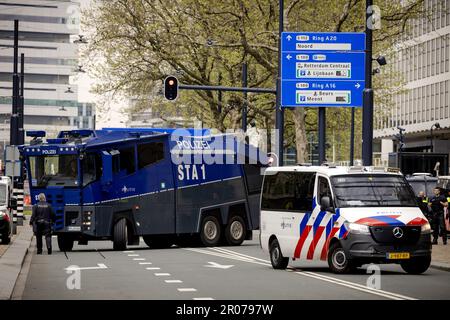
{"type": "Point", "coordinates": [204, 42]}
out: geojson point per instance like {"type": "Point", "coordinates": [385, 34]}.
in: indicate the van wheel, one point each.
{"type": "Point", "coordinates": [65, 244]}
{"type": "Point", "coordinates": [210, 231]}
{"type": "Point", "coordinates": [276, 257]}
{"type": "Point", "coordinates": [338, 260]}
{"type": "Point", "coordinates": [120, 235]}
{"type": "Point", "coordinates": [235, 231]}
{"type": "Point", "coordinates": [416, 265]}
{"type": "Point", "coordinates": [158, 242]}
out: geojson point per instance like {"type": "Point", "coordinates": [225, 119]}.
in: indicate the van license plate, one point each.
{"type": "Point", "coordinates": [398, 255]}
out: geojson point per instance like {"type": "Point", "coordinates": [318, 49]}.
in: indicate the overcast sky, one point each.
{"type": "Point", "coordinates": [114, 117]}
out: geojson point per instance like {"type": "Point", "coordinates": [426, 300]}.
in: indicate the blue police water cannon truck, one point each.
{"type": "Point", "coordinates": [170, 186]}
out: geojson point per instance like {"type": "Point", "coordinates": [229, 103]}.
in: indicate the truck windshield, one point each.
{"type": "Point", "coordinates": [59, 170]}
{"type": "Point", "coordinates": [372, 191]}
{"type": "Point", "coordinates": [2, 195]}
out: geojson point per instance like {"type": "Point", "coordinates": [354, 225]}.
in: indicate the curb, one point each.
{"type": "Point", "coordinates": [11, 262]}
{"type": "Point", "coordinates": [440, 266]}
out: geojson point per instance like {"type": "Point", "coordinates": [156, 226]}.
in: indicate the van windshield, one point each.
{"type": "Point", "coordinates": [372, 191]}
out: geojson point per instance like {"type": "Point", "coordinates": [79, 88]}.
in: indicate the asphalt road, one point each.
{"type": "Point", "coordinates": [242, 272]}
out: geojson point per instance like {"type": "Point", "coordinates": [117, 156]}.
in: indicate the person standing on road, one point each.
{"type": "Point", "coordinates": [422, 201]}
{"type": "Point", "coordinates": [437, 205]}
{"type": "Point", "coordinates": [42, 220]}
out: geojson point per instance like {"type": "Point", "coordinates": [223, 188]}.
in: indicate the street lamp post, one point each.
{"type": "Point", "coordinates": [437, 126]}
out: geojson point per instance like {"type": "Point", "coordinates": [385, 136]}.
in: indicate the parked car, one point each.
{"type": "Point", "coordinates": [7, 205]}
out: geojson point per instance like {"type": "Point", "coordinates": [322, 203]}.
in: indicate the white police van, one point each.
{"type": "Point", "coordinates": [348, 216]}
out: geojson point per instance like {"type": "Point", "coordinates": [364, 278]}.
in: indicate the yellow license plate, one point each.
{"type": "Point", "coordinates": [398, 255]}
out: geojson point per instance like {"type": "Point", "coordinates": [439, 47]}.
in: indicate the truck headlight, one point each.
{"type": "Point", "coordinates": [357, 228]}
{"type": "Point", "coordinates": [425, 228]}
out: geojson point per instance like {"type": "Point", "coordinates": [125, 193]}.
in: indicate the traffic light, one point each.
{"type": "Point", "coordinates": [171, 88]}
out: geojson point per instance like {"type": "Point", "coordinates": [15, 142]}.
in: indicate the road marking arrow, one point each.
{"type": "Point", "coordinates": [99, 266]}
{"type": "Point", "coordinates": [218, 266]}
{"type": "Point", "coordinates": [289, 37]}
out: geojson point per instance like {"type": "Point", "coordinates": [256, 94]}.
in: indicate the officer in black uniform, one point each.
{"type": "Point", "coordinates": [42, 220]}
{"type": "Point", "coordinates": [422, 201]}
{"type": "Point", "coordinates": [437, 205]}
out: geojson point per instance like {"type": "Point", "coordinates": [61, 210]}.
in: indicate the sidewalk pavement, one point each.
{"type": "Point", "coordinates": [441, 256]}
{"type": "Point", "coordinates": [12, 259]}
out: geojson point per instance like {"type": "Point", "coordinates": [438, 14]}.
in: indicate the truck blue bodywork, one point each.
{"type": "Point", "coordinates": [147, 177]}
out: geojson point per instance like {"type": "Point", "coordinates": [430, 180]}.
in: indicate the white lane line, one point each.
{"type": "Point", "coordinates": [217, 254]}
{"type": "Point", "coordinates": [187, 289]}
{"type": "Point", "coordinates": [145, 263]}
{"type": "Point", "coordinates": [205, 298]}
{"type": "Point", "coordinates": [162, 274]}
{"type": "Point", "coordinates": [128, 251]}
{"type": "Point", "coordinates": [391, 295]}
{"type": "Point", "coordinates": [138, 259]}
{"type": "Point", "coordinates": [356, 286]}
{"type": "Point", "coordinates": [226, 251]}
{"type": "Point", "coordinates": [133, 255]}
{"type": "Point", "coordinates": [173, 281]}
{"type": "Point", "coordinates": [153, 268]}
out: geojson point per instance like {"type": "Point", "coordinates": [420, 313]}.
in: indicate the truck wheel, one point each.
{"type": "Point", "coordinates": [158, 242]}
{"type": "Point", "coordinates": [120, 235]}
{"type": "Point", "coordinates": [235, 231]}
{"type": "Point", "coordinates": [338, 260]}
{"type": "Point", "coordinates": [65, 243]}
{"type": "Point", "coordinates": [6, 239]}
{"type": "Point", "coordinates": [276, 257]}
{"type": "Point", "coordinates": [416, 265]}
{"type": "Point", "coordinates": [210, 231]}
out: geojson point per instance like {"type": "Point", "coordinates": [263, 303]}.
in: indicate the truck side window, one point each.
{"type": "Point", "coordinates": [324, 188]}
{"type": "Point", "coordinates": [91, 168]}
{"type": "Point", "coordinates": [149, 153]}
{"type": "Point", "coordinates": [127, 160]}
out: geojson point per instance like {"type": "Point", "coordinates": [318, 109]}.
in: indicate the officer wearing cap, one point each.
{"type": "Point", "coordinates": [437, 205]}
{"type": "Point", "coordinates": [42, 220]}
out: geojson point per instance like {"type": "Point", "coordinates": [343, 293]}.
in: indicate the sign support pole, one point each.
{"type": "Point", "coordinates": [279, 111]}
{"type": "Point", "coordinates": [244, 105]}
{"type": "Point", "coordinates": [322, 132]}
{"type": "Point", "coordinates": [352, 137]}
{"type": "Point", "coordinates": [367, 134]}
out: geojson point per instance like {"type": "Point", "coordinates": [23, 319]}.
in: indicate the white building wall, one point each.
{"type": "Point", "coordinates": [45, 29]}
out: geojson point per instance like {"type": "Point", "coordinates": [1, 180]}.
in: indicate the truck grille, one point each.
{"type": "Point", "coordinates": [411, 234]}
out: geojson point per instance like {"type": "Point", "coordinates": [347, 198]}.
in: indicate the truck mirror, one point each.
{"type": "Point", "coordinates": [325, 204]}
{"type": "Point", "coordinates": [106, 178]}
{"type": "Point", "coordinates": [13, 203]}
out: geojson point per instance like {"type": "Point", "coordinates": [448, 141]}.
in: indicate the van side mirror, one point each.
{"type": "Point", "coordinates": [13, 203]}
{"type": "Point", "coordinates": [106, 178]}
{"type": "Point", "coordinates": [325, 204]}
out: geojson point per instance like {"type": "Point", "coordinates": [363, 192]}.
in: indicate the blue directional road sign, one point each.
{"type": "Point", "coordinates": [312, 93]}
{"type": "Point", "coordinates": [322, 69]}
{"type": "Point", "coordinates": [321, 41]}
{"type": "Point", "coordinates": [318, 65]}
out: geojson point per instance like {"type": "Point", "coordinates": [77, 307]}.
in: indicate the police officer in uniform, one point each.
{"type": "Point", "coordinates": [42, 220]}
{"type": "Point", "coordinates": [422, 201]}
{"type": "Point", "coordinates": [437, 205]}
